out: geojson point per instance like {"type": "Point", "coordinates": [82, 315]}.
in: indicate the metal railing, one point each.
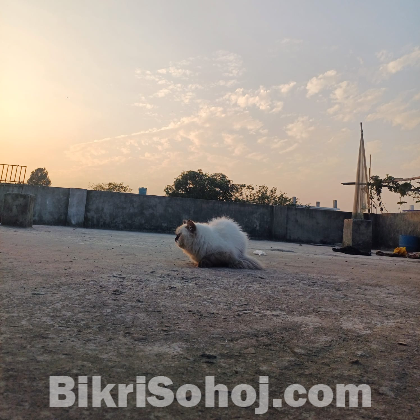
{"type": "Point", "coordinates": [12, 174]}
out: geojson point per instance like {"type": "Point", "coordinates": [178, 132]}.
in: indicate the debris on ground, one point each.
{"type": "Point", "coordinates": [351, 250]}
{"type": "Point", "coordinates": [259, 252]}
{"type": "Point", "coordinates": [400, 252]}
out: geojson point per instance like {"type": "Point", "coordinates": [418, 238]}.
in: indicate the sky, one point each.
{"type": "Point", "coordinates": [266, 92]}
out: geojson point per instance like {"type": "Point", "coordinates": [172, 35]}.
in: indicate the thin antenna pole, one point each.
{"type": "Point", "coordinates": [370, 174]}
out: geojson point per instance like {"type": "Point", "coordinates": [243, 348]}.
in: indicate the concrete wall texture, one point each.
{"type": "Point", "coordinates": [388, 227]}
{"type": "Point", "coordinates": [121, 211]}
{"type": "Point", "coordinates": [51, 204]}
{"type": "Point", "coordinates": [18, 210]}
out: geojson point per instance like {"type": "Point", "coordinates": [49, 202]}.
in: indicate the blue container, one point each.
{"type": "Point", "coordinates": [411, 243]}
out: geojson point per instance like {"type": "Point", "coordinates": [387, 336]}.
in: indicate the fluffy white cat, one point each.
{"type": "Point", "coordinates": [219, 243]}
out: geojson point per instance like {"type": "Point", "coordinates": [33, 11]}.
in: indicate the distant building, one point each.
{"type": "Point", "coordinates": [411, 208]}
{"type": "Point", "coordinates": [143, 191]}
{"type": "Point", "coordinates": [318, 206]}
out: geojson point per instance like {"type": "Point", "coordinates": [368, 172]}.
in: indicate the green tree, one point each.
{"type": "Point", "coordinates": [198, 184]}
{"type": "Point", "coordinates": [262, 195]}
{"type": "Point", "coordinates": [111, 186]}
{"type": "Point", "coordinates": [40, 177]}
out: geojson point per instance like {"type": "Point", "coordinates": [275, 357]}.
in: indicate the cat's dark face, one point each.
{"type": "Point", "coordinates": [185, 234]}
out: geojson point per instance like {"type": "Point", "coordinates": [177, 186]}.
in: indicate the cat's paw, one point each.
{"type": "Point", "coordinates": [204, 263]}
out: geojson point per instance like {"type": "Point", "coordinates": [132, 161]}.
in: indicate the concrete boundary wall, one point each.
{"type": "Point", "coordinates": [295, 224]}
{"type": "Point", "coordinates": [121, 211]}
{"type": "Point", "coordinates": [51, 204]}
{"type": "Point", "coordinates": [76, 208]}
{"type": "Point", "coordinates": [388, 227]}
{"type": "Point", "coordinates": [164, 214]}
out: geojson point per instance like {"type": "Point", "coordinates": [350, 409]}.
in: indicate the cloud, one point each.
{"type": "Point", "coordinates": [198, 132]}
{"type": "Point", "coordinates": [220, 69]}
{"type": "Point", "coordinates": [285, 88]}
{"type": "Point", "coordinates": [349, 101]}
{"type": "Point", "coordinates": [383, 55]}
{"type": "Point", "coordinates": [149, 76]}
{"type": "Point", "coordinates": [99, 154]}
{"type": "Point", "coordinates": [227, 83]}
{"type": "Point", "coordinates": [289, 149]}
{"type": "Point", "coordinates": [177, 72]}
{"type": "Point", "coordinates": [230, 63]}
{"type": "Point", "coordinates": [144, 105]}
{"type": "Point", "coordinates": [397, 113]}
{"type": "Point", "coordinates": [259, 98]}
{"type": "Point", "coordinates": [300, 128]}
{"type": "Point", "coordinates": [318, 83]}
{"type": "Point", "coordinates": [408, 60]}
{"type": "Point", "coordinates": [161, 93]}
{"type": "Point", "coordinates": [280, 144]}
{"type": "Point", "coordinates": [278, 106]}
{"type": "Point", "coordinates": [257, 156]}
{"type": "Point", "coordinates": [276, 143]}
{"type": "Point", "coordinates": [240, 149]}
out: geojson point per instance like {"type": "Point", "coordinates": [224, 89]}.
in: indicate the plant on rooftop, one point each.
{"type": "Point", "coordinates": [405, 189]}
{"type": "Point", "coordinates": [111, 186]}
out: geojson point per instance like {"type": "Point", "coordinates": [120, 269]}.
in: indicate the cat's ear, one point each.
{"type": "Point", "coordinates": [191, 226]}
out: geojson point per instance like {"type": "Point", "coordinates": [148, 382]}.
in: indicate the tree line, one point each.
{"type": "Point", "coordinates": [193, 184]}
{"type": "Point", "coordinates": [217, 186]}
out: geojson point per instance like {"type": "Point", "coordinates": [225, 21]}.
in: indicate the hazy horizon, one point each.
{"type": "Point", "coordinates": [265, 92]}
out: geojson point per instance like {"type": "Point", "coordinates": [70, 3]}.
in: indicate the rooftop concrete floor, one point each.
{"type": "Point", "coordinates": [124, 304]}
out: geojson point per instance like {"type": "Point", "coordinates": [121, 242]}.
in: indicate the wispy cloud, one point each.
{"type": "Point", "coordinates": [318, 83]}
{"type": "Point", "coordinates": [277, 107]}
{"type": "Point", "coordinates": [397, 113]}
{"type": "Point", "coordinates": [144, 105]}
{"type": "Point", "coordinates": [383, 55]}
{"type": "Point", "coordinates": [177, 72]}
{"type": "Point", "coordinates": [349, 101]}
{"type": "Point", "coordinates": [289, 149]}
{"type": "Point", "coordinates": [257, 156]}
{"type": "Point", "coordinates": [407, 60]}
{"type": "Point", "coordinates": [300, 128]}
{"type": "Point", "coordinates": [230, 63]}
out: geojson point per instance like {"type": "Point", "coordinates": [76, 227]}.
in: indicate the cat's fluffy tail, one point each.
{"type": "Point", "coordinates": [247, 263]}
